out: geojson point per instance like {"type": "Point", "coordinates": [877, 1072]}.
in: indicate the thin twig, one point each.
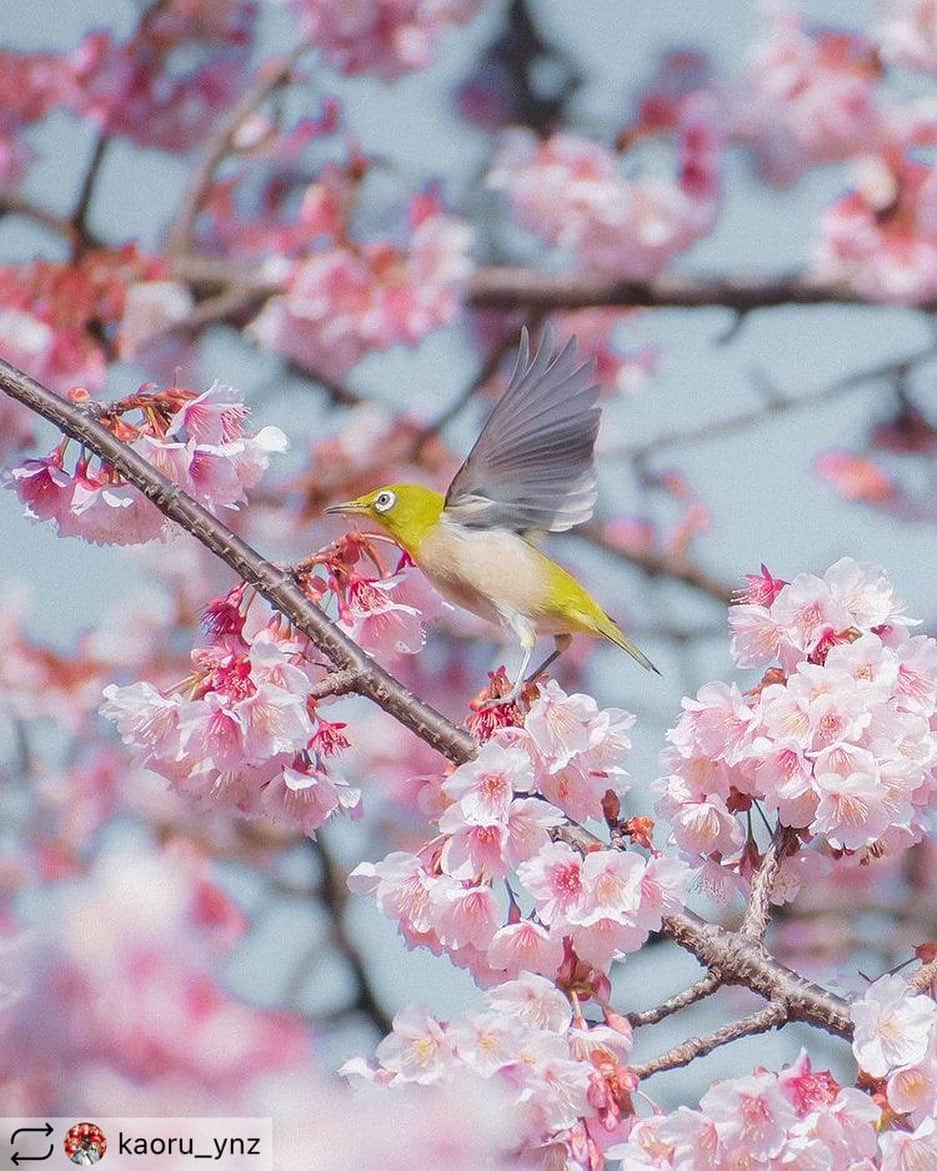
{"type": "Point", "coordinates": [656, 564]}
{"type": "Point", "coordinates": [86, 191]}
{"type": "Point", "coordinates": [271, 75]}
{"type": "Point", "coordinates": [772, 1016]}
{"type": "Point", "coordinates": [698, 991]}
{"type": "Point", "coordinates": [778, 404]}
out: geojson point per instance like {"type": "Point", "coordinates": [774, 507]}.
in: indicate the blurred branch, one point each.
{"type": "Point", "coordinates": [660, 564]}
{"type": "Point", "coordinates": [270, 75]}
{"type": "Point", "coordinates": [503, 287]}
{"type": "Point", "coordinates": [17, 205]}
{"type": "Point", "coordinates": [778, 404]}
{"type": "Point", "coordinates": [79, 219]}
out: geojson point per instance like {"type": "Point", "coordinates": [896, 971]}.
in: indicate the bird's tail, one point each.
{"type": "Point", "coordinates": [610, 630]}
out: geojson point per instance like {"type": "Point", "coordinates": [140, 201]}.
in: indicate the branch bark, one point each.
{"type": "Point", "coordinates": [507, 288]}
{"type": "Point", "coordinates": [772, 1016]}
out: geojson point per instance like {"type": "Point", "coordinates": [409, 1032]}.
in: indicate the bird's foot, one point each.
{"type": "Point", "coordinates": [500, 700]}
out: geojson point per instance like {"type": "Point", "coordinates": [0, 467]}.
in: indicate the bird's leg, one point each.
{"type": "Point", "coordinates": [528, 637]}
{"type": "Point", "coordinates": [561, 643]}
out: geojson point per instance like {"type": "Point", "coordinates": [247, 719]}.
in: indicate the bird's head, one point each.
{"type": "Point", "coordinates": [407, 511]}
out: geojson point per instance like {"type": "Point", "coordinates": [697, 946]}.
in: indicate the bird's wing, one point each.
{"type": "Point", "coordinates": [532, 465]}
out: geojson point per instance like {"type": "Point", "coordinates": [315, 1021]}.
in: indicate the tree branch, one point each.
{"type": "Point", "coordinates": [758, 911]}
{"type": "Point", "coordinates": [274, 583]}
{"type": "Point", "coordinates": [698, 991]}
{"type": "Point", "coordinates": [772, 1016]}
{"type": "Point", "coordinates": [270, 75]}
{"type": "Point", "coordinates": [729, 956]}
{"type": "Point", "coordinates": [659, 564]}
{"type": "Point", "coordinates": [508, 288]}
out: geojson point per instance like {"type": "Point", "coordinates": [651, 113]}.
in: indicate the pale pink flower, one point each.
{"type": "Point", "coordinates": [750, 1113]}
{"type": "Point", "coordinates": [915, 1151]}
{"type": "Point", "coordinates": [807, 609]}
{"type": "Point", "coordinates": [471, 849]}
{"type": "Point", "coordinates": [485, 1041]}
{"type": "Point", "coordinates": [559, 724]}
{"type": "Point", "coordinates": [464, 915]}
{"type": "Point", "coordinates": [485, 786]}
{"type": "Point", "coordinates": [529, 823]}
{"type": "Point", "coordinates": [893, 1026]}
{"type": "Point", "coordinates": [525, 947]}
{"type": "Point", "coordinates": [401, 888]}
{"type": "Point", "coordinates": [809, 96]}
{"type": "Point", "coordinates": [534, 1001]}
{"type": "Point", "coordinates": [718, 722]}
{"type": "Point", "coordinates": [308, 798]}
{"type": "Point", "coordinates": [912, 1089]}
{"type": "Point", "coordinates": [611, 888]}
{"type": "Point", "coordinates": [151, 310]}
{"type": "Point", "coordinates": [704, 826]}
{"type": "Point", "coordinates": [375, 619]}
{"type": "Point", "coordinates": [417, 1050]}
{"type": "Point", "coordinates": [663, 890]}
{"type": "Point", "coordinates": [756, 637]}
{"type": "Point", "coordinates": [851, 813]}
{"type": "Point", "coordinates": [554, 878]}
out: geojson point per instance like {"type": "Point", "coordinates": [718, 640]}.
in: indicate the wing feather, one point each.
{"type": "Point", "coordinates": [532, 466]}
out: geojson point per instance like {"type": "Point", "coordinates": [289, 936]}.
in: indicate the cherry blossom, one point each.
{"type": "Point", "coordinates": [827, 739]}
{"type": "Point", "coordinates": [389, 38]}
{"type": "Point", "coordinates": [570, 193]}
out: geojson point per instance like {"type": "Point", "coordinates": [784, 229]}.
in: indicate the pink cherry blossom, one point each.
{"type": "Point", "coordinates": [907, 33]}
{"type": "Point", "coordinates": [892, 1026]}
{"type": "Point", "coordinates": [569, 191]}
{"type": "Point", "coordinates": [388, 38]}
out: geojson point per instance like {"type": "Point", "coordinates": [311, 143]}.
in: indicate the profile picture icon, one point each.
{"type": "Point", "coordinates": [85, 1144]}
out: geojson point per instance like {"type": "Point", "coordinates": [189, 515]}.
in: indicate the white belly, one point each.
{"type": "Point", "coordinates": [494, 573]}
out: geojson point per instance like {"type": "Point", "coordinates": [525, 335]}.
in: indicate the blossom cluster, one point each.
{"type": "Point", "coordinates": [496, 815]}
{"type": "Point", "coordinates": [127, 983]}
{"type": "Point", "coordinates": [567, 1076]}
{"type": "Point", "coordinates": [57, 319]}
{"type": "Point", "coordinates": [162, 86]}
{"type": "Point", "coordinates": [797, 1118]}
{"type": "Point", "coordinates": [809, 96]}
{"type": "Point", "coordinates": [387, 37]}
{"type": "Point", "coordinates": [895, 1043]}
{"type": "Point", "coordinates": [570, 192]}
{"type": "Point", "coordinates": [198, 441]}
{"type": "Point", "coordinates": [243, 730]}
{"type": "Point", "coordinates": [347, 299]}
{"type": "Point", "coordinates": [836, 737]}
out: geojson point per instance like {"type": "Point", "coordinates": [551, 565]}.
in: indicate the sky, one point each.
{"type": "Point", "coordinates": [766, 504]}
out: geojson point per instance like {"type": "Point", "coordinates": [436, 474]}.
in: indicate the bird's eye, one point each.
{"type": "Point", "coordinates": [385, 501]}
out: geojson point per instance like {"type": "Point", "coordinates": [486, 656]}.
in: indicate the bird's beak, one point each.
{"type": "Point", "coordinates": [350, 507]}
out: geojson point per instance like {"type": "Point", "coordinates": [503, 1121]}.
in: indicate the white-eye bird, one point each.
{"type": "Point", "coordinates": [531, 471]}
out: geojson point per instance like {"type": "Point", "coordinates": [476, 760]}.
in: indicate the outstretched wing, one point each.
{"type": "Point", "coordinates": [532, 465]}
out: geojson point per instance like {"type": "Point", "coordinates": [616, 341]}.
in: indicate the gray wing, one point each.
{"type": "Point", "coordinates": [532, 466]}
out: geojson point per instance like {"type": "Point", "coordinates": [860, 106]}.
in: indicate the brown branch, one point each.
{"type": "Point", "coordinates": [730, 956]}
{"type": "Point", "coordinates": [335, 683]}
{"type": "Point", "coordinates": [333, 893]}
{"type": "Point", "coordinates": [271, 74]}
{"type": "Point", "coordinates": [507, 288]}
{"type": "Point", "coordinates": [16, 205]}
{"type": "Point", "coordinates": [924, 977]}
{"type": "Point", "coordinates": [772, 1016]}
{"type": "Point", "coordinates": [274, 583]}
{"type": "Point", "coordinates": [86, 191]}
{"type": "Point", "coordinates": [758, 911]}
{"type": "Point", "coordinates": [659, 564]}
{"type": "Point", "coordinates": [698, 991]}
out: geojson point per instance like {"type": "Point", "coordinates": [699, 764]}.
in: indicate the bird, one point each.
{"type": "Point", "coordinates": [531, 471]}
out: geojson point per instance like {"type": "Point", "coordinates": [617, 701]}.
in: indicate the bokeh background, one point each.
{"type": "Point", "coordinates": [764, 501]}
